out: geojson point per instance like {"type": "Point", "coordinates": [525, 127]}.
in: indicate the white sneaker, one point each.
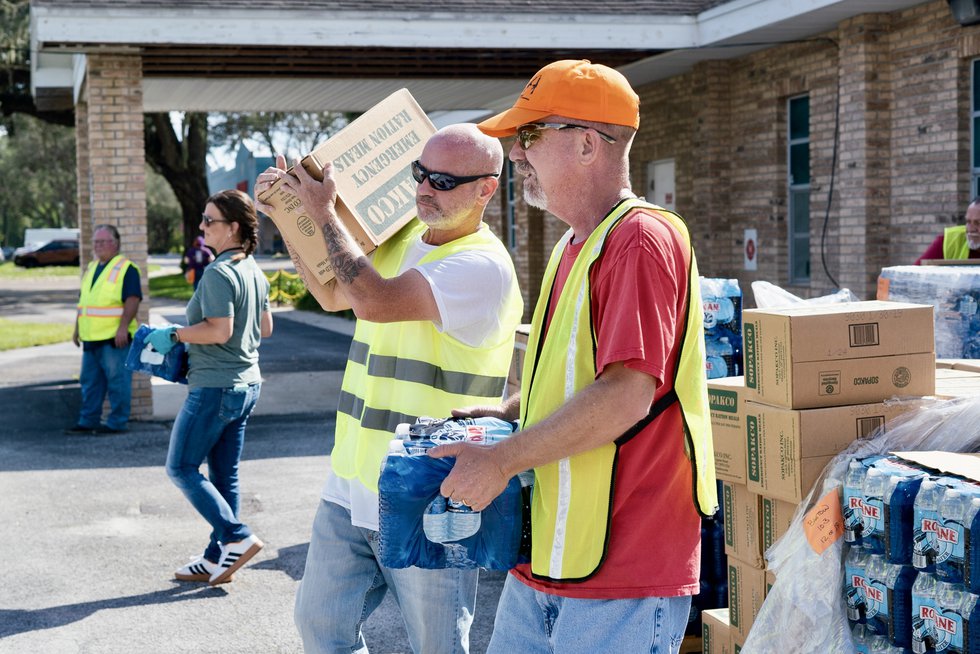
{"type": "Point", "coordinates": [234, 556]}
{"type": "Point", "coordinates": [197, 569]}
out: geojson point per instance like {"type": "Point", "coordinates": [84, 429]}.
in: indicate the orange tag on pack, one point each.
{"type": "Point", "coordinates": [824, 523]}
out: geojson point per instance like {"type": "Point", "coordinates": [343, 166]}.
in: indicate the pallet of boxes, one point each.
{"type": "Point", "coordinates": [371, 160]}
{"type": "Point", "coordinates": [817, 377]}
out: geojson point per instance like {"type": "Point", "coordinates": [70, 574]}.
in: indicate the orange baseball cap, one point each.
{"type": "Point", "coordinates": [573, 89]}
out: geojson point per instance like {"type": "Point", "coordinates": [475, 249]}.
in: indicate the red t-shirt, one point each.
{"type": "Point", "coordinates": [639, 291]}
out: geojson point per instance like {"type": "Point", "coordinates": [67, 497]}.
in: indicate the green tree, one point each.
{"type": "Point", "coordinates": [164, 231]}
{"type": "Point", "coordinates": [291, 134]}
{"type": "Point", "coordinates": [38, 160]}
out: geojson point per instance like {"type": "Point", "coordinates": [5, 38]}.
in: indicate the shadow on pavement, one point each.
{"type": "Point", "coordinates": [17, 621]}
{"type": "Point", "coordinates": [291, 560]}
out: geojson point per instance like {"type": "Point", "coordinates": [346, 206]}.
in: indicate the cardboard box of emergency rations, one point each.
{"type": "Point", "coordinates": [776, 516]}
{"type": "Point", "coordinates": [725, 400]}
{"type": "Point", "coordinates": [375, 190]}
{"type": "Point", "coordinates": [788, 448]}
{"type": "Point", "coordinates": [517, 363]}
{"type": "Point", "coordinates": [716, 637]}
{"type": "Point", "coordinates": [812, 356]}
{"type": "Point", "coordinates": [746, 592]}
{"type": "Point", "coordinates": [743, 530]}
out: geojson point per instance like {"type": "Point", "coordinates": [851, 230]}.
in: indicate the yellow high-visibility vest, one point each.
{"type": "Point", "coordinates": [100, 307]}
{"type": "Point", "coordinates": [572, 500]}
{"type": "Point", "coordinates": [397, 372]}
{"type": "Point", "coordinates": [955, 245]}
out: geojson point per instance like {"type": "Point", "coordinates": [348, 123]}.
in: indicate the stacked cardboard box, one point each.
{"type": "Point", "coordinates": [816, 379]}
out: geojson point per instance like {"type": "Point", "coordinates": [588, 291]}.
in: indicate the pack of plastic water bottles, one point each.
{"type": "Point", "coordinates": [904, 547]}
{"type": "Point", "coordinates": [143, 358]}
{"type": "Point", "coordinates": [954, 291]}
{"type": "Point", "coordinates": [722, 303]}
{"type": "Point", "coordinates": [419, 527]}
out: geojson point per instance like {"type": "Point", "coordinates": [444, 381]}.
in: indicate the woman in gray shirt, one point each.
{"type": "Point", "coordinates": [228, 316]}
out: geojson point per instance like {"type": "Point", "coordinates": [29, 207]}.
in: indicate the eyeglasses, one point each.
{"type": "Point", "coordinates": [207, 220]}
{"type": "Point", "coordinates": [443, 181]}
{"type": "Point", "coordinates": [529, 133]}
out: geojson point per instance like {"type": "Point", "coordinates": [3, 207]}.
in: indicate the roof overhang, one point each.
{"type": "Point", "coordinates": [62, 36]}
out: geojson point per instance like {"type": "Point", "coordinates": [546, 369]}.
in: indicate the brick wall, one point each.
{"type": "Point", "coordinates": [112, 181]}
{"type": "Point", "coordinates": [902, 169]}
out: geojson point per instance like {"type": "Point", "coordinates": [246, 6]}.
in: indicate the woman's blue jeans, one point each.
{"type": "Point", "coordinates": [211, 426]}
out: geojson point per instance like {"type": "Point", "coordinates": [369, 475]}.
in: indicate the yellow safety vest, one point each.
{"type": "Point", "coordinates": [100, 307]}
{"type": "Point", "coordinates": [955, 245]}
{"type": "Point", "coordinates": [572, 499]}
{"type": "Point", "coordinates": [399, 371]}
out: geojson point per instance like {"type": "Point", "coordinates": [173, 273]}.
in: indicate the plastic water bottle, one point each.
{"type": "Point", "coordinates": [882, 646]}
{"type": "Point", "coordinates": [924, 613]}
{"type": "Point", "coordinates": [714, 566]}
{"type": "Point", "coordinates": [435, 521]}
{"type": "Point", "coordinates": [860, 637]}
{"type": "Point", "coordinates": [853, 502]}
{"type": "Point", "coordinates": [926, 524]}
{"type": "Point", "coordinates": [855, 576]}
{"type": "Point", "coordinates": [957, 619]}
{"type": "Point", "coordinates": [889, 497]}
{"type": "Point", "coordinates": [888, 593]}
{"type": "Point", "coordinates": [953, 508]}
{"type": "Point", "coordinates": [718, 352]}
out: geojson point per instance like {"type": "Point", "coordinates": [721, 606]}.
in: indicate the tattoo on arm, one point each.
{"type": "Point", "coordinates": [346, 265]}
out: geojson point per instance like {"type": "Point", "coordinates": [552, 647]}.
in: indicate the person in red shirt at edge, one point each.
{"type": "Point", "coordinates": [618, 435]}
{"type": "Point", "coordinates": [960, 242]}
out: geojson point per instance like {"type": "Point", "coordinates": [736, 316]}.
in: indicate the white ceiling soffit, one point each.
{"type": "Point", "coordinates": [729, 30]}
{"type": "Point", "coordinates": [189, 94]}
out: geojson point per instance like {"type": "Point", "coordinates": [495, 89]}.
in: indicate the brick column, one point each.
{"type": "Point", "coordinates": [716, 239]}
{"type": "Point", "coordinates": [864, 156]}
{"type": "Point", "coordinates": [112, 182]}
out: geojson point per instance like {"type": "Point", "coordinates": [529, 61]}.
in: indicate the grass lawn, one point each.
{"type": "Point", "coordinates": [9, 271]}
{"type": "Point", "coordinates": [14, 334]}
{"type": "Point", "coordinates": [172, 286]}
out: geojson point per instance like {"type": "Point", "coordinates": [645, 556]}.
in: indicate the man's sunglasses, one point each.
{"type": "Point", "coordinates": [528, 133]}
{"type": "Point", "coordinates": [443, 181]}
{"type": "Point", "coordinates": [207, 220]}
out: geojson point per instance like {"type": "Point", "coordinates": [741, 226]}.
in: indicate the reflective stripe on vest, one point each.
{"type": "Point", "coordinates": [572, 499]}
{"type": "Point", "coordinates": [101, 306]}
{"type": "Point", "coordinates": [399, 371]}
{"type": "Point", "coordinates": [955, 245]}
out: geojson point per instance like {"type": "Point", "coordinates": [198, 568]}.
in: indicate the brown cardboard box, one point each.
{"type": "Point", "coordinates": [770, 580]}
{"type": "Point", "coordinates": [517, 363]}
{"type": "Point", "coordinates": [375, 189]}
{"type": "Point", "coordinates": [776, 517]}
{"type": "Point", "coordinates": [788, 448]}
{"type": "Point", "coordinates": [743, 529]}
{"type": "Point", "coordinates": [828, 355]}
{"type": "Point", "coordinates": [716, 637]}
{"type": "Point", "coordinates": [972, 365]}
{"type": "Point", "coordinates": [746, 592]}
{"type": "Point", "coordinates": [725, 401]}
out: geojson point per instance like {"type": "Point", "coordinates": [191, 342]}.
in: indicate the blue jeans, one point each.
{"type": "Point", "coordinates": [104, 370]}
{"type": "Point", "coordinates": [344, 582]}
{"type": "Point", "coordinates": [211, 425]}
{"type": "Point", "coordinates": [531, 622]}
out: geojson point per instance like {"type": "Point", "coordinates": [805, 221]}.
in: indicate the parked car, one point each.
{"type": "Point", "coordinates": [52, 253]}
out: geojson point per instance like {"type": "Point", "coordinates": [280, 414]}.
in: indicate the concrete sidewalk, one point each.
{"type": "Point", "coordinates": [93, 528]}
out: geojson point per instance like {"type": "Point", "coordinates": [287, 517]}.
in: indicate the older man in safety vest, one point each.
{"type": "Point", "coordinates": [104, 327]}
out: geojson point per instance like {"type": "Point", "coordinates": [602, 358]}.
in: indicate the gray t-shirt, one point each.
{"type": "Point", "coordinates": [236, 289]}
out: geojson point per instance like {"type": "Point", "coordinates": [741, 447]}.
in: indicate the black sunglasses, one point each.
{"type": "Point", "coordinates": [443, 181]}
{"type": "Point", "coordinates": [531, 132]}
{"type": "Point", "coordinates": [207, 220]}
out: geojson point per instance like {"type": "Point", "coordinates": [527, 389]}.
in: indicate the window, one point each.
{"type": "Point", "coordinates": [975, 129]}
{"type": "Point", "coordinates": [798, 192]}
{"type": "Point", "coordinates": [511, 217]}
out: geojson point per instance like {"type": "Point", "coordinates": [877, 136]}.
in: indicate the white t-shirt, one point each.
{"type": "Point", "coordinates": [471, 290]}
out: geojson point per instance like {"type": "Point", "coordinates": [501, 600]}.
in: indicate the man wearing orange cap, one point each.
{"type": "Point", "coordinates": [613, 403]}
